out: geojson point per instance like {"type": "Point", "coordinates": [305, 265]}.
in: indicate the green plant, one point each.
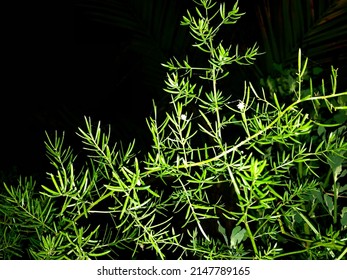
{"type": "Point", "coordinates": [224, 179]}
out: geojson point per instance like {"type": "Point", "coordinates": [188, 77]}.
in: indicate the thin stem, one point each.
{"type": "Point", "coordinates": [254, 136]}
{"type": "Point", "coordinates": [336, 194]}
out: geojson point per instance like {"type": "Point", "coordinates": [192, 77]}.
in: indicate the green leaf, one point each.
{"type": "Point", "coordinates": [344, 217]}
{"type": "Point", "coordinates": [321, 130]}
{"type": "Point", "coordinates": [222, 231]}
{"type": "Point", "coordinates": [335, 162]}
{"type": "Point", "coordinates": [329, 203]}
{"type": "Point", "coordinates": [237, 235]}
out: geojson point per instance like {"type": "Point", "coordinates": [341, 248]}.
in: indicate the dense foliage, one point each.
{"type": "Point", "coordinates": [254, 178]}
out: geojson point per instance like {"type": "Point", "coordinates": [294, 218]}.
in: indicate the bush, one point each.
{"type": "Point", "coordinates": [255, 178]}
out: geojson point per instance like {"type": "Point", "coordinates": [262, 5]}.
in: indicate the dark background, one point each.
{"type": "Point", "coordinates": [107, 71]}
{"type": "Point", "coordinates": [98, 74]}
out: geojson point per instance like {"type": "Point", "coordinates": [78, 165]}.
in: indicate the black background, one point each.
{"type": "Point", "coordinates": [50, 83]}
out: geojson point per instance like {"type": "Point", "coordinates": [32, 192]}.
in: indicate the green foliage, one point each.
{"type": "Point", "coordinates": [257, 178]}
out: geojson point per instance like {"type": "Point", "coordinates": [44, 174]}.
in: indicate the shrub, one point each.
{"type": "Point", "coordinates": [224, 179]}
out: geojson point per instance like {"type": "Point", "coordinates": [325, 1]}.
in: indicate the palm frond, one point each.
{"type": "Point", "coordinates": [319, 28]}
